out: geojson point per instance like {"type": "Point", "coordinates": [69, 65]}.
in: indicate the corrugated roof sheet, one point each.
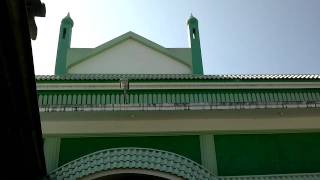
{"type": "Point", "coordinates": [216, 97]}
{"type": "Point", "coordinates": [178, 77]}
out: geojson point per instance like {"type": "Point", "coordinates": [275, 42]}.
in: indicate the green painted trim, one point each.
{"type": "Point", "coordinates": [132, 158]}
{"type": "Point", "coordinates": [124, 37]}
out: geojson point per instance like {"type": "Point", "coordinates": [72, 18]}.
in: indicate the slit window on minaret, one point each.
{"type": "Point", "coordinates": [193, 33]}
{"type": "Point", "coordinates": [64, 33]}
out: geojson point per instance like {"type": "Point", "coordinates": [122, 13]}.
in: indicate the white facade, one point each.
{"type": "Point", "coordinates": [130, 57]}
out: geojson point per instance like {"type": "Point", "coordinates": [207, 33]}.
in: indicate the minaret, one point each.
{"type": "Point", "coordinates": [195, 46]}
{"type": "Point", "coordinates": [63, 45]}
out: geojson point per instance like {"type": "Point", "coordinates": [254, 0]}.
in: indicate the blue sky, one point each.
{"type": "Point", "coordinates": [237, 36]}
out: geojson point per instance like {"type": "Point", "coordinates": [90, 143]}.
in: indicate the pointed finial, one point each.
{"type": "Point", "coordinates": [191, 19]}
{"type": "Point", "coordinates": [67, 19]}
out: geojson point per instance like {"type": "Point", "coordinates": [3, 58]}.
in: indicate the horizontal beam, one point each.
{"type": "Point", "coordinates": [174, 107]}
{"type": "Point", "coordinates": [180, 122]}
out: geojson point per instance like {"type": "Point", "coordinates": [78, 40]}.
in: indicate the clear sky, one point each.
{"type": "Point", "coordinates": [237, 36]}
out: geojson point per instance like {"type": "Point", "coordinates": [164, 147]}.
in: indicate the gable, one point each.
{"type": "Point", "coordinates": [130, 57]}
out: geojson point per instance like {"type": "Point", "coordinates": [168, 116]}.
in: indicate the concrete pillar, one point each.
{"type": "Point", "coordinates": [51, 152]}
{"type": "Point", "coordinates": [208, 153]}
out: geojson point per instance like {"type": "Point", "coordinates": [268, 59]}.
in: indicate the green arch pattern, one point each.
{"type": "Point", "coordinates": [132, 158]}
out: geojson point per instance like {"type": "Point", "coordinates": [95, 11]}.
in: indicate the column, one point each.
{"type": "Point", "coordinates": [51, 152]}
{"type": "Point", "coordinates": [208, 153]}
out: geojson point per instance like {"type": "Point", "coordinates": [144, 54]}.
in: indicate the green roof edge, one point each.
{"type": "Point", "coordinates": [132, 158]}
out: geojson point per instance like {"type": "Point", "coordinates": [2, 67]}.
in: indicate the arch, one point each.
{"type": "Point", "coordinates": [149, 173]}
{"type": "Point", "coordinates": [132, 158]}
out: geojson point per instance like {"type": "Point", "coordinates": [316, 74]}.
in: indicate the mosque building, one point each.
{"type": "Point", "coordinates": [131, 108]}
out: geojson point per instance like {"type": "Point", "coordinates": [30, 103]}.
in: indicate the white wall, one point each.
{"type": "Point", "coordinates": [130, 57]}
